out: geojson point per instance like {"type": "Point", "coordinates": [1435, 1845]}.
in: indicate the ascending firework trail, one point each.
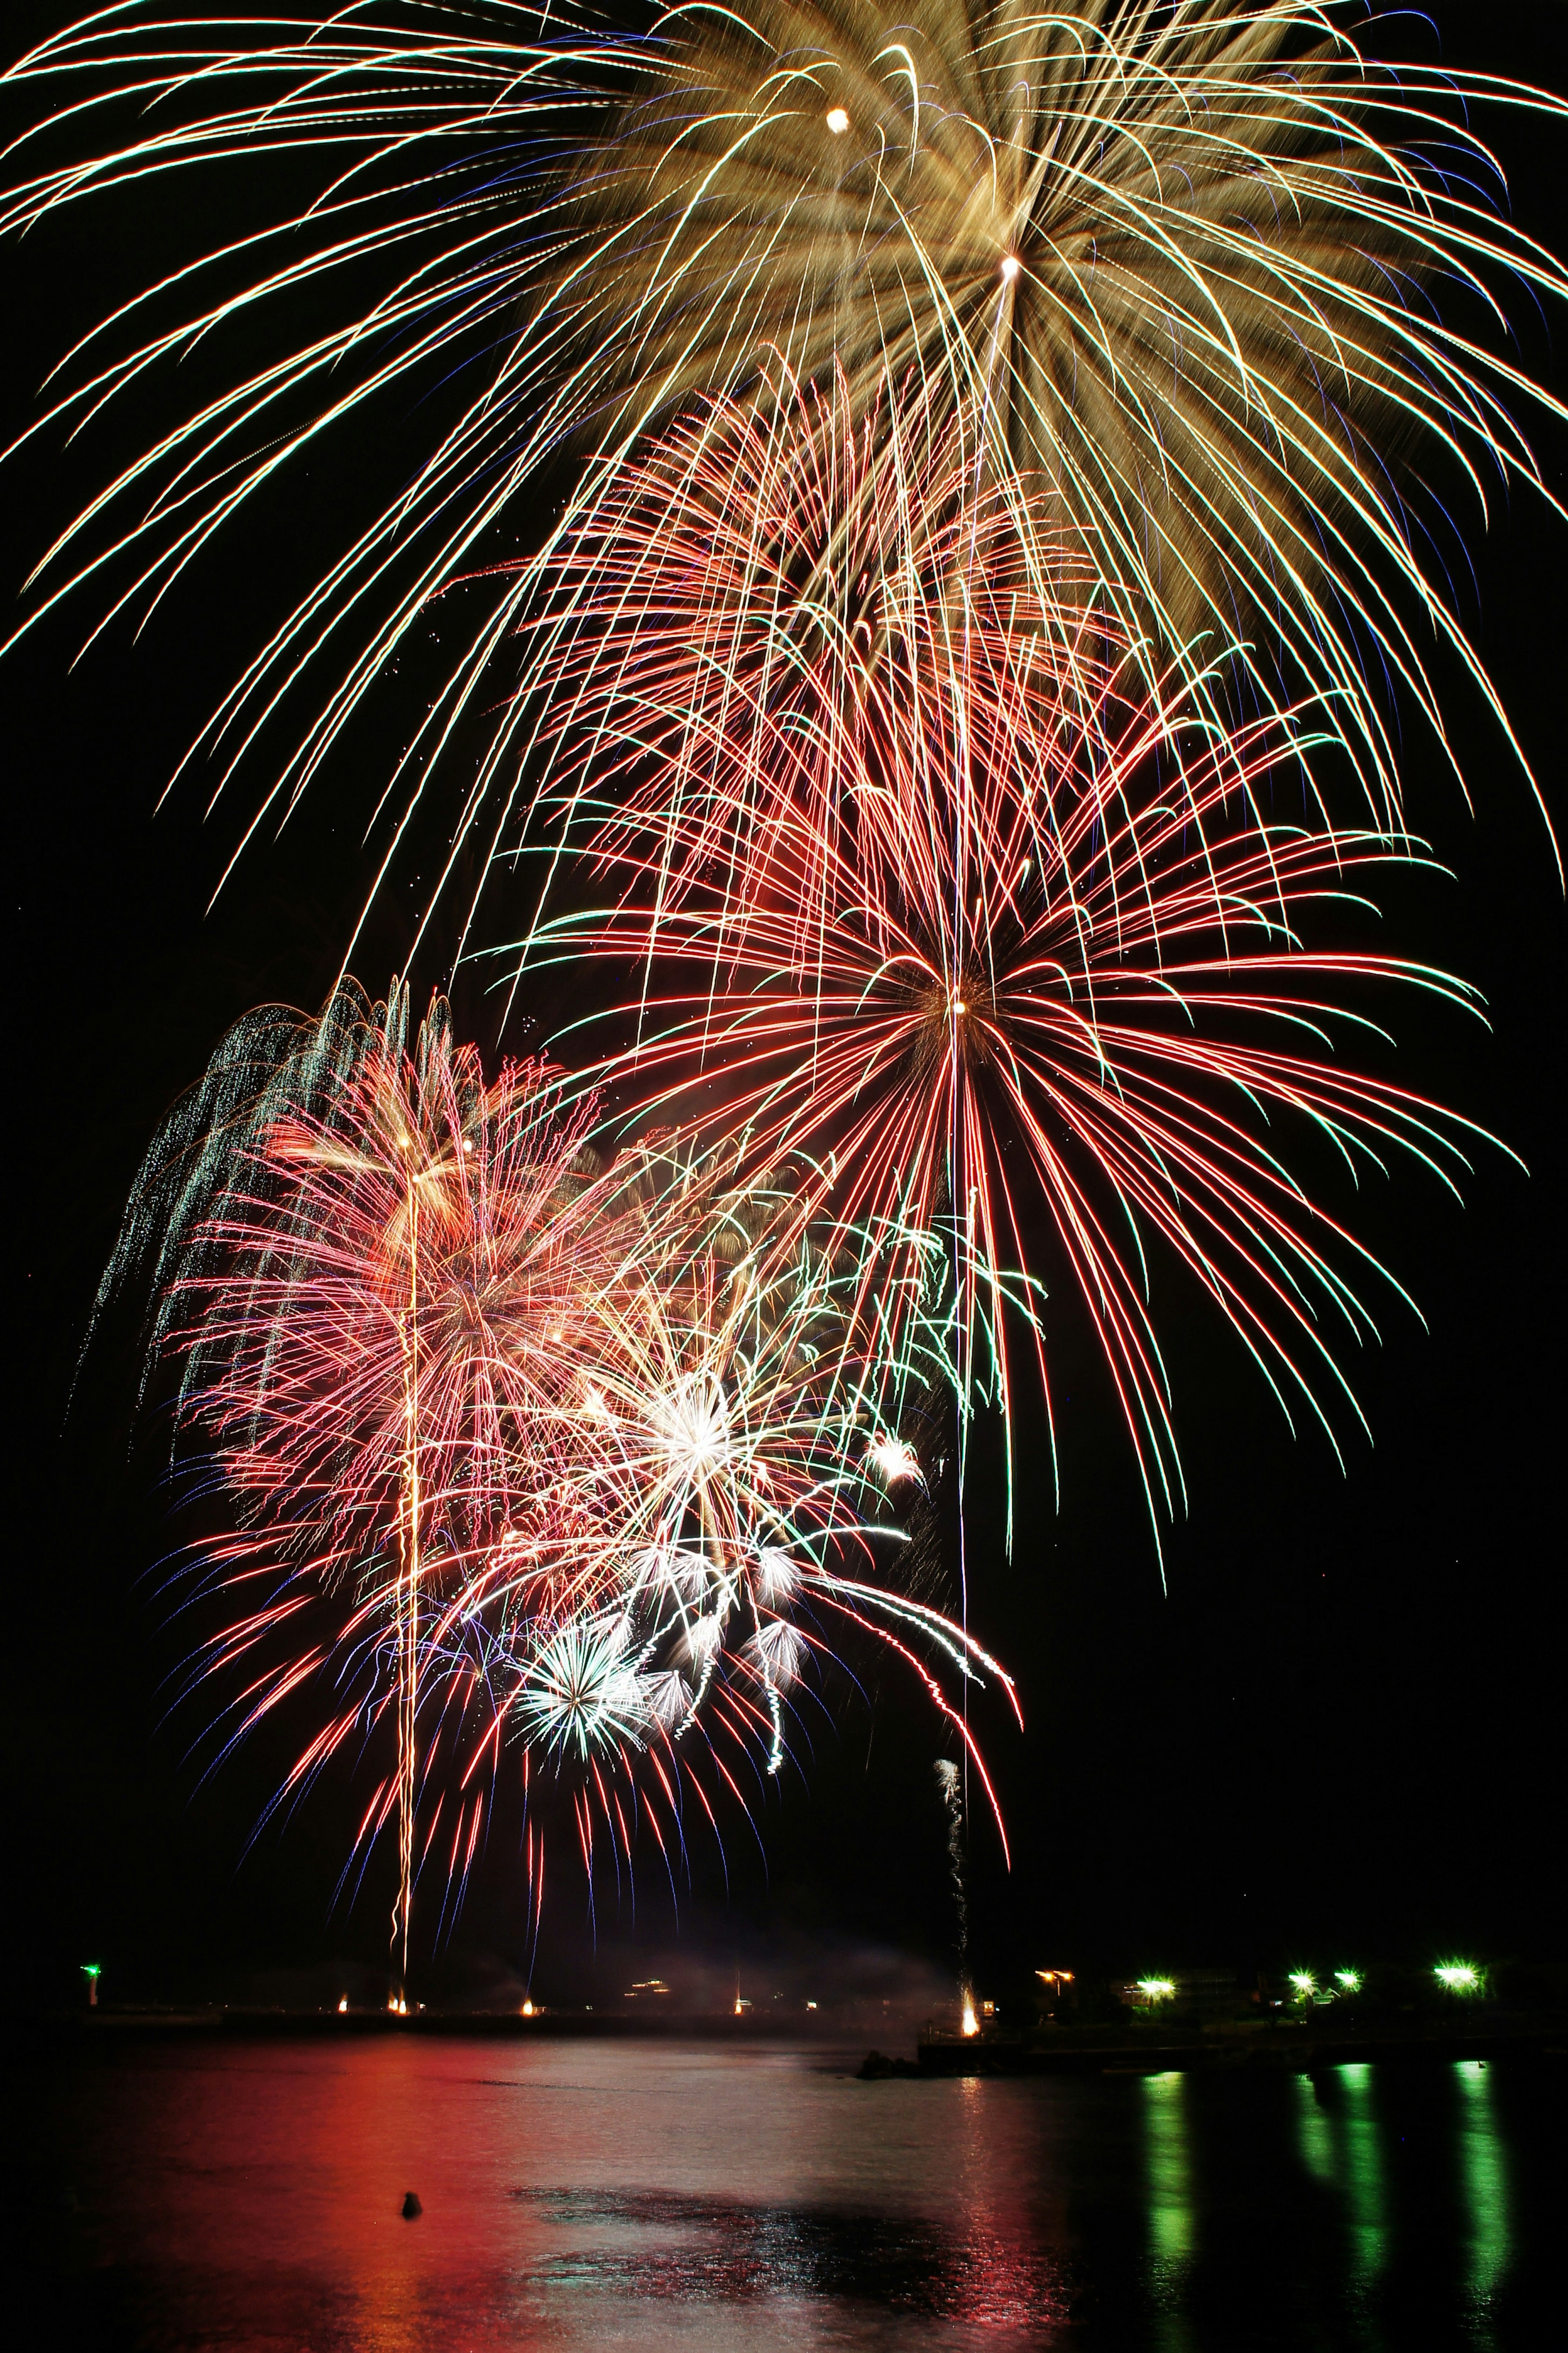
{"type": "Point", "coordinates": [950, 1782]}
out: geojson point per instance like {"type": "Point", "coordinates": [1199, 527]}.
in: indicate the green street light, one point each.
{"type": "Point", "coordinates": [1155, 1989]}
{"type": "Point", "coordinates": [1305, 1983]}
{"type": "Point", "coordinates": [93, 1971]}
{"type": "Point", "coordinates": [1457, 1976]}
{"type": "Point", "coordinates": [1350, 1980]}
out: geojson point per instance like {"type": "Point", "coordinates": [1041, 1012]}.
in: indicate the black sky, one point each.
{"type": "Point", "coordinates": [1341, 1728]}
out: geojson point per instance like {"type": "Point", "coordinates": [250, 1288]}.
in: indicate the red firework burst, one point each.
{"type": "Point", "coordinates": [525, 1451]}
{"type": "Point", "coordinates": [788, 625]}
{"type": "Point", "coordinates": [1084, 1006]}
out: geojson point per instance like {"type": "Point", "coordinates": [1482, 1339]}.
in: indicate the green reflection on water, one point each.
{"type": "Point", "coordinates": [1168, 2152]}
{"type": "Point", "coordinates": [1362, 2151]}
{"type": "Point", "coordinates": [1314, 2133]}
{"type": "Point", "coordinates": [1486, 2177]}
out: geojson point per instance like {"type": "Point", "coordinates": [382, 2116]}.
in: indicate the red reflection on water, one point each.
{"type": "Point", "coordinates": [583, 2194]}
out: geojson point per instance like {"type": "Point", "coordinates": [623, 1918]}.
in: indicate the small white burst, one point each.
{"type": "Point", "coordinates": [669, 1697]}
{"type": "Point", "coordinates": [837, 120]}
{"type": "Point", "coordinates": [777, 1649]}
{"type": "Point", "coordinates": [692, 1422]}
{"type": "Point", "coordinates": [1011, 266]}
{"type": "Point", "coordinates": [705, 1637]}
{"type": "Point", "coordinates": [893, 1459]}
{"type": "Point", "coordinates": [777, 1575]}
{"type": "Point", "coordinates": [685, 1574]}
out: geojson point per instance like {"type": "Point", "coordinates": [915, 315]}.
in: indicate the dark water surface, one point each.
{"type": "Point", "coordinates": [652, 2194]}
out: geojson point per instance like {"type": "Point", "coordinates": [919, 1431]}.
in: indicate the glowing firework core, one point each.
{"type": "Point", "coordinates": [894, 1458]}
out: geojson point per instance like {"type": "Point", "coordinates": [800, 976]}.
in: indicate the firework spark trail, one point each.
{"type": "Point", "coordinates": [949, 1781]}
{"type": "Point", "coordinates": [1183, 262]}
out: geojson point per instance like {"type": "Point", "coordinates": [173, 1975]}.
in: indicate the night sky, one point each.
{"type": "Point", "coordinates": [1338, 1731]}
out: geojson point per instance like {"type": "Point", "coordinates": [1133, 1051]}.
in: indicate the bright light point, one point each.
{"type": "Point", "coordinates": [1349, 1978]}
{"type": "Point", "coordinates": [693, 1423]}
{"type": "Point", "coordinates": [342, 2005]}
{"type": "Point", "coordinates": [1011, 265]}
{"type": "Point", "coordinates": [1156, 1988]}
{"type": "Point", "coordinates": [837, 120]}
{"type": "Point", "coordinates": [1457, 1976]}
{"type": "Point", "coordinates": [527, 2010]}
{"type": "Point", "coordinates": [959, 1006]}
{"type": "Point", "coordinates": [894, 1458]}
{"type": "Point", "coordinates": [1304, 1982]}
{"type": "Point", "coordinates": [971, 2024]}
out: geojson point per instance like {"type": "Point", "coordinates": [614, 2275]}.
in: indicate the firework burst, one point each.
{"type": "Point", "coordinates": [524, 1453]}
{"type": "Point", "coordinates": [804, 624]}
{"type": "Point", "coordinates": [1086, 1012]}
{"type": "Point", "coordinates": [984, 454]}
{"type": "Point", "coordinates": [1183, 264]}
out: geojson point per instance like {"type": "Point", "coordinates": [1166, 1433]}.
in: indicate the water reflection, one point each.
{"type": "Point", "coordinates": [679, 2250]}
{"type": "Point", "coordinates": [1485, 2172]}
{"type": "Point", "coordinates": [1172, 2235]}
{"type": "Point", "coordinates": [1366, 2208]}
{"type": "Point", "coordinates": [1314, 2133]}
{"type": "Point", "coordinates": [665, 2199]}
{"type": "Point", "coordinates": [1170, 2169]}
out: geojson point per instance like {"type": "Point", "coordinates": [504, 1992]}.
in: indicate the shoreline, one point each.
{"type": "Point", "coordinates": [1289, 2047]}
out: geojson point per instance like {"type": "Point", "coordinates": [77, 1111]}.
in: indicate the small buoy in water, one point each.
{"type": "Point", "coordinates": [411, 2206]}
